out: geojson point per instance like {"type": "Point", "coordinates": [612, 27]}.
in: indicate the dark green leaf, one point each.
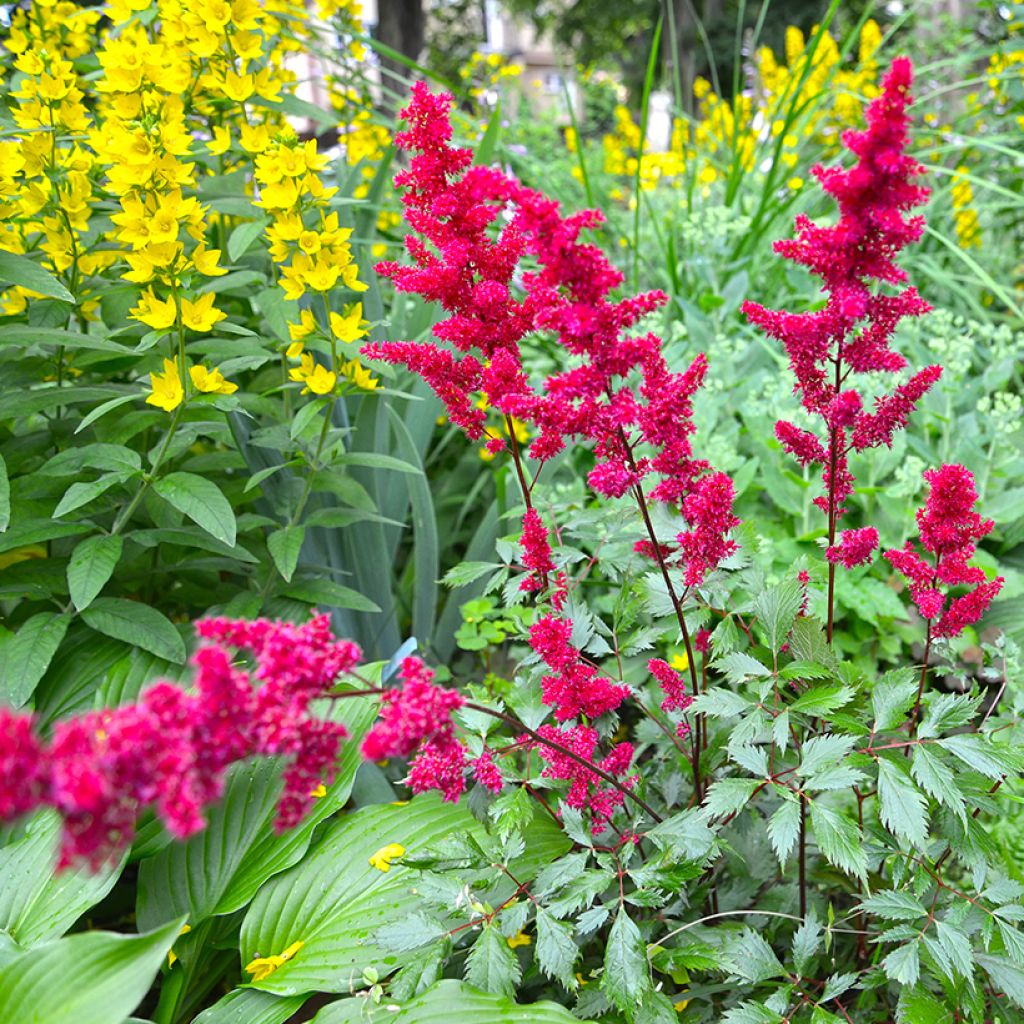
{"type": "Point", "coordinates": [328, 594]}
{"type": "Point", "coordinates": [492, 965]}
{"type": "Point", "coordinates": [892, 697]}
{"type": "Point", "coordinates": [557, 951]}
{"type": "Point", "coordinates": [776, 610]}
{"type": "Point", "coordinates": [903, 964]}
{"type": "Point", "coordinates": [784, 828]}
{"type": "Point", "coordinates": [839, 839]}
{"type": "Point", "coordinates": [28, 655]}
{"type": "Point", "coordinates": [894, 906]}
{"type": "Point", "coordinates": [136, 624]}
{"type": "Point", "coordinates": [626, 971]}
{"type": "Point", "coordinates": [91, 566]}
{"type": "Point", "coordinates": [25, 273]}
{"type": "Point", "coordinates": [284, 546]}
{"type": "Point", "coordinates": [202, 501]}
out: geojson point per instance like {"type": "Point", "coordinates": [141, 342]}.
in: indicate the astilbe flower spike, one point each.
{"type": "Point", "coordinates": [850, 335]}
{"type": "Point", "coordinates": [949, 527]}
{"type": "Point", "coordinates": [172, 748]}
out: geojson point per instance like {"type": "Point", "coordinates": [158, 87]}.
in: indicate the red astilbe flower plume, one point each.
{"type": "Point", "coordinates": [474, 226]}
{"type": "Point", "coordinates": [172, 748]}
{"type": "Point", "coordinates": [855, 547]}
{"type": "Point", "coordinates": [948, 526]}
{"type": "Point", "coordinates": [851, 333]}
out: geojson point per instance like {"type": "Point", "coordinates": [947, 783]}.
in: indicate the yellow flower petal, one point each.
{"type": "Point", "coordinates": [382, 859]}
{"type": "Point", "coordinates": [167, 391]}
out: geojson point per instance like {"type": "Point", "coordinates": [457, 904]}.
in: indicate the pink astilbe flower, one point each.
{"type": "Point", "coordinates": [672, 684]}
{"type": "Point", "coordinates": [172, 748]}
{"type": "Point", "coordinates": [439, 764]}
{"type": "Point", "coordinates": [851, 333]}
{"type": "Point", "coordinates": [538, 559]}
{"type": "Point", "coordinates": [587, 790]}
{"type": "Point", "coordinates": [474, 227]}
{"type": "Point", "coordinates": [578, 690]}
{"type": "Point", "coordinates": [855, 547]}
{"type": "Point", "coordinates": [413, 714]}
{"type": "Point", "coordinates": [949, 527]}
{"type": "Point", "coordinates": [486, 772]}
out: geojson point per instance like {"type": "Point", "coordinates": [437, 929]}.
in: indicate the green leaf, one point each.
{"type": "Point", "coordinates": [937, 779]}
{"type": "Point", "coordinates": [894, 906]}
{"type": "Point", "coordinates": [447, 1002]}
{"type": "Point", "coordinates": [916, 1006]}
{"type": "Point", "coordinates": [25, 273]}
{"type": "Point", "coordinates": [28, 655]}
{"type": "Point", "coordinates": [808, 942]}
{"type": "Point", "coordinates": [492, 965]}
{"type": "Point", "coordinates": [5, 497]}
{"type": "Point", "coordinates": [981, 754]}
{"type": "Point", "coordinates": [755, 960]}
{"type": "Point", "coordinates": [839, 839]}
{"type": "Point", "coordinates": [91, 566]}
{"type": "Point", "coordinates": [284, 546]}
{"type": "Point", "coordinates": [334, 901]}
{"type": "Point", "coordinates": [1008, 977]}
{"type": "Point", "coordinates": [739, 666]}
{"type": "Point", "coordinates": [821, 700]}
{"type": "Point", "coordinates": [414, 931]}
{"type": "Point", "coordinates": [776, 610]}
{"type": "Point", "coordinates": [243, 236]}
{"type": "Point", "coordinates": [824, 751]}
{"type": "Point", "coordinates": [751, 1013]}
{"type": "Point", "coordinates": [90, 978]}
{"type": "Point", "coordinates": [626, 971]}
{"type": "Point", "coordinates": [728, 795]}
{"type": "Point", "coordinates": [557, 951]}
{"type": "Point", "coordinates": [485, 150]}
{"type": "Point", "coordinates": [328, 594]}
{"type": "Point", "coordinates": [901, 805]}
{"type": "Point", "coordinates": [784, 829]}
{"type": "Point", "coordinates": [903, 964]}
{"type": "Point", "coordinates": [101, 410]}
{"type": "Point", "coordinates": [136, 624]}
{"type": "Point", "coordinates": [376, 460]}
{"type": "Point", "coordinates": [247, 1006]}
{"type": "Point", "coordinates": [202, 501]}
{"type": "Point", "coordinates": [892, 697]}
{"type": "Point", "coordinates": [80, 494]}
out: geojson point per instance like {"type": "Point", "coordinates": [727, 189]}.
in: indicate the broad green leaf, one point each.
{"type": "Point", "coordinates": [284, 546]}
{"type": "Point", "coordinates": [894, 906]}
{"type": "Point", "coordinates": [26, 273]}
{"type": "Point", "coordinates": [36, 904]}
{"type": "Point", "coordinates": [136, 624]}
{"type": "Point", "coordinates": [202, 501]}
{"type": "Point", "coordinates": [839, 839]}
{"type": "Point", "coordinates": [901, 805]}
{"type": "Point", "coordinates": [5, 497]}
{"type": "Point", "coordinates": [447, 1002]}
{"type": "Point", "coordinates": [557, 951]}
{"type": "Point", "coordinates": [247, 1006]}
{"type": "Point", "coordinates": [328, 594]}
{"type": "Point", "coordinates": [626, 970]}
{"type": "Point", "coordinates": [91, 566]}
{"type": "Point", "coordinates": [28, 655]}
{"type": "Point", "coordinates": [376, 460]}
{"type": "Point", "coordinates": [80, 494]}
{"type": "Point", "coordinates": [784, 829]}
{"type": "Point", "coordinates": [218, 870]}
{"type": "Point", "coordinates": [243, 236]}
{"type": "Point", "coordinates": [90, 978]}
{"type": "Point", "coordinates": [492, 965]}
{"type": "Point", "coordinates": [334, 901]}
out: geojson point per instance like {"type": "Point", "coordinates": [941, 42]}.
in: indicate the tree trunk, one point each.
{"type": "Point", "coordinates": [400, 25]}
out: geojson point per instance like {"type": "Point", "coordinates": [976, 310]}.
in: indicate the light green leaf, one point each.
{"type": "Point", "coordinates": [557, 951]}
{"type": "Point", "coordinates": [5, 497]}
{"type": "Point", "coordinates": [328, 594]}
{"type": "Point", "coordinates": [808, 941]}
{"type": "Point", "coordinates": [1008, 977]}
{"type": "Point", "coordinates": [492, 965]}
{"type": "Point", "coordinates": [784, 829]}
{"type": "Point", "coordinates": [894, 906]}
{"type": "Point", "coordinates": [243, 236]}
{"type": "Point", "coordinates": [937, 779]}
{"type": "Point", "coordinates": [755, 960]}
{"type": "Point", "coordinates": [626, 970]}
{"type": "Point", "coordinates": [25, 273]}
{"type": "Point", "coordinates": [728, 795]}
{"type": "Point", "coordinates": [101, 410]}
{"type": "Point", "coordinates": [916, 1006]}
{"type": "Point", "coordinates": [821, 700]}
{"type": "Point", "coordinates": [903, 964]}
{"type": "Point", "coordinates": [202, 501]}
{"type": "Point", "coordinates": [90, 978]}
{"type": "Point", "coordinates": [28, 655]}
{"type": "Point", "coordinates": [91, 566]}
{"type": "Point", "coordinates": [981, 754]}
{"type": "Point", "coordinates": [284, 546]}
{"type": "Point", "coordinates": [136, 624]}
{"type": "Point", "coordinates": [824, 751]}
{"type": "Point", "coordinates": [901, 806]}
{"type": "Point", "coordinates": [776, 610]}
{"type": "Point", "coordinates": [247, 1006]}
{"type": "Point", "coordinates": [892, 697]}
{"type": "Point", "coordinates": [839, 839]}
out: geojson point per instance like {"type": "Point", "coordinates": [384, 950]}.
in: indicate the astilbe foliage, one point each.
{"type": "Point", "coordinates": [850, 335]}
{"type": "Point", "coordinates": [172, 748]}
{"type": "Point", "coordinates": [949, 527]}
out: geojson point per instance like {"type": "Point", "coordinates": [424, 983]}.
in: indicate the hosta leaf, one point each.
{"type": "Point", "coordinates": [447, 1002]}
{"type": "Point", "coordinates": [626, 971]}
{"type": "Point", "coordinates": [91, 566]}
{"type": "Point", "coordinates": [492, 965]}
{"type": "Point", "coordinates": [28, 655]}
{"type": "Point", "coordinates": [334, 901]}
{"type": "Point", "coordinates": [247, 1006]}
{"type": "Point", "coordinates": [202, 501]}
{"type": "Point", "coordinates": [901, 806]}
{"type": "Point", "coordinates": [136, 624]}
{"type": "Point", "coordinates": [90, 978]}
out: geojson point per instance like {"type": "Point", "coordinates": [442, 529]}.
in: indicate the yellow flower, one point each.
{"type": "Point", "coordinates": [305, 327]}
{"type": "Point", "coordinates": [351, 326]}
{"type": "Point", "coordinates": [201, 315]}
{"type": "Point", "coordinates": [262, 966]}
{"type": "Point", "coordinates": [795, 184]}
{"type": "Point", "coordinates": [154, 313]}
{"type": "Point", "coordinates": [167, 390]}
{"type": "Point", "coordinates": [320, 792]}
{"type": "Point", "coordinates": [360, 375]}
{"type": "Point", "coordinates": [221, 141]}
{"type": "Point", "coordinates": [382, 859]}
{"type": "Point", "coordinates": [211, 381]}
{"type": "Point", "coordinates": [321, 381]}
{"type": "Point", "coordinates": [519, 939]}
{"type": "Point", "coordinates": [680, 662]}
{"type": "Point", "coordinates": [294, 350]}
{"type": "Point", "coordinates": [205, 261]}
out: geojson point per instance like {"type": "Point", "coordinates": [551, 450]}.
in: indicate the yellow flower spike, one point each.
{"type": "Point", "coordinates": [321, 381]}
{"type": "Point", "coordinates": [263, 966]}
{"type": "Point", "coordinates": [167, 392]}
{"type": "Point", "coordinates": [382, 859]}
{"type": "Point", "coordinates": [211, 381]}
{"type": "Point", "coordinates": [519, 939]}
{"type": "Point", "coordinates": [201, 315]}
{"type": "Point", "coordinates": [153, 312]}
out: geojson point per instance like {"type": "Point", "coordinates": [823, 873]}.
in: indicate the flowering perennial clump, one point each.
{"type": "Point", "coordinates": [850, 334]}
{"type": "Point", "coordinates": [949, 527]}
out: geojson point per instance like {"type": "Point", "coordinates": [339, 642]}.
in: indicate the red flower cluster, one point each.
{"type": "Point", "coordinates": [855, 547]}
{"type": "Point", "coordinates": [949, 526]}
{"type": "Point", "coordinates": [463, 260]}
{"type": "Point", "coordinates": [850, 334]}
{"type": "Point", "coordinates": [578, 690]}
{"type": "Point", "coordinates": [587, 791]}
{"type": "Point", "coordinates": [673, 685]}
{"type": "Point", "coordinates": [171, 750]}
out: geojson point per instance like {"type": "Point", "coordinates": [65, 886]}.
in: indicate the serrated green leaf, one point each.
{"type": "Point", "coordinates": [284, 546]}
{"type": "Point", "coordinates": [982, 755]}
{"type": "Point", "coordinates": [808, 942]}
{"type": "Point", "coordinates": [492, 965]}
{"type": "Point", "coordinates": [728, 795]}
{"type": "Point", "coordinates": [414, 931]}
{"type": "Point", "coordinates": [202, 501]}
{"type": "Point", "coordinates": [755, 960]}
{"type": "Point", "coordinates": [892, 697]}
{"type": "Point", "coordinates": [784, 829]}
{"type": "Point", "coordinates": [901, 806]}
{"type": "Point", "coordinates": [824, 751]}
{"type": "Point", "coordinates": [136, 624]}
{"type": "Point", "coordinates": [937, 779]}
{"type": "Point", "coordinates": [751, 1013]}
{"type": "Point", "coordinates": [894, 906]}
{"type": "Point", "coordinates": [557, 951]}
{"type": "Point", "coordinates": [822, 700]}
{"type": "Point", "coordinates": [626, 971]}
{"type": "Point", "coordinates": [91, 565]}
{"type": "Point", "coordinates": [776, 610]}
{"type": "Point", "coordinates": [903, 964]}
{"type": "Point", "coordinates": [839, 839]}
{"type": "Point", "coordinates": [739, 666]}
{"type": "Point", "coordinates": [28, 655]}
{"type": "Point", "coordinates": [1008, 977]}
{"type": "Point", "coordinates": [916, 1006]}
